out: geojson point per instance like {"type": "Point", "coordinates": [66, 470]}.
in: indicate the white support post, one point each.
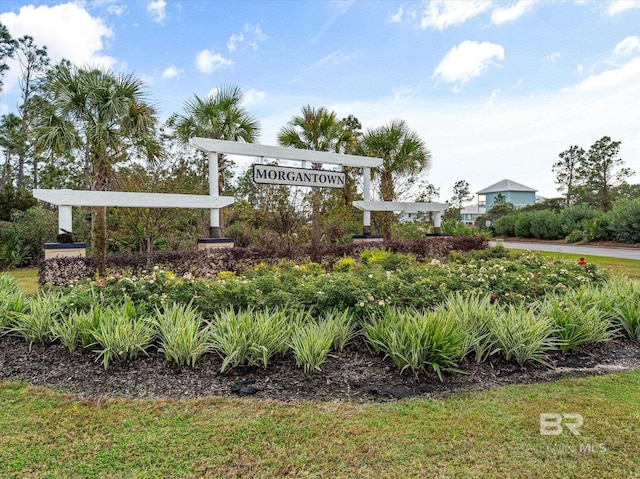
{"type": "Point", "coordinates": [65, 221]}
{"type": "Point", "coordinates": [437, 222]}
{"type": "Point", "coordinates": [366, 192]}
{"type": "Point", "coordinates": [214, 217]}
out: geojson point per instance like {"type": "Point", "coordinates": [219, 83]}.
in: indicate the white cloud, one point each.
{"type": "Point", "coordinates": [68, 31]}
{"type": "Point", "coordinates": [253, 96]}
{"type": "Point", "coordinates": [158, 11]}
{"type": "Point", "coordinates": [402, 93]}
{"type": "Point", "coordinates": [116, 10]}
{"type": "Point", "coordinates": [396, 17]}
{"type": "Point", "coordinates": [440, 14]}
{"type": "Point", "coordinates": [619, 6]}
{"type": "Point", "coordinates": [213, 92]}
{"type": "Point", "coordinates": [468, 60]}
{"type": "Point", "coordinates": [234, 40]}
{"type": "Point", "coordinates": [251, 34]}
{"type": "Point", "coordinates": [172, 72]}
{"type": "Point", "coordinates": [553, 57]}
{"type": "Point", "coordinates": [208, 61]}
{"type": "Point", "coordinates": [627, 46]}
{"type": "Point", "coordinates": [628, 73]}
{"type": "Point", "coordinates": [502, 15]}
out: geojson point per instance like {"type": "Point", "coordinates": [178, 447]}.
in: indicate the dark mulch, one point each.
{"type": "Point", "coordinates": [352, 375]}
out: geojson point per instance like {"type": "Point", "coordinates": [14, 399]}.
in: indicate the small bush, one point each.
{"type": "Point", "coordinates": [572, 218]}
{"type": "Point", "coordinates": [624, 221]}
{"type": "Point", "coordinates": [628, 315]}
{"type": "Point", "coordinates": [506, 225]}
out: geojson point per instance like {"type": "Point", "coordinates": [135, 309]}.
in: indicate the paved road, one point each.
{"type": "Point", "coordinates": [627, 253]}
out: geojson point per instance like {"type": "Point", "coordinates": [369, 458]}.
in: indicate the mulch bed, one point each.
{"type": "Point", "coordinates": [354, 374]}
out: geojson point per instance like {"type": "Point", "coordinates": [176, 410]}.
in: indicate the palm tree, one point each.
{"type": "Point", "coordinates": [222, 117]}
{"type": "Point", "coordinates": [319, 130]}
{"type": "Point", "coordinates": [103, 116]}
{"type": "Point", "coordinates": [404, 154]}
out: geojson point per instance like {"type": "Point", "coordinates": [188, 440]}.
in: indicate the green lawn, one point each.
{"type": "Point", "coordinates": [27, 278]}
{"type": "Point", "coordinates": [618, 266]}
{"type": "Point", "coordinates": [489, 434]}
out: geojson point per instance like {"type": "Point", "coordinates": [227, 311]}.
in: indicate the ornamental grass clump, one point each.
{"type": "Point", "coordinates": [311, 343]}
{"type": "Point", "coordinates": [522, 336]}
{"type": "Point", "coordinates": [576, 324]}
{"type": "Point", "coordinates": [417, 340]}
{"type": "Point", "coordinates": [249, 338]}
{"type": "Point", "coordinates": [182, 337]}
{"type": "Point", "coordinates": [122, 334]}
{"type": "Point", "coordinates": [12, 302]}
{"type": "Point", "coordinates": [34, 322]}
{"type": "Point", "coordinates": [473, 314]}
{"type": "Point", "coordinates": [627, 315]}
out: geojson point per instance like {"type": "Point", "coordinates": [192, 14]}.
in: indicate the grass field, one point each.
{"type": "Point", "coordinates": [618, 266]}
{"type": "Point", "coordinates": [489, 434]}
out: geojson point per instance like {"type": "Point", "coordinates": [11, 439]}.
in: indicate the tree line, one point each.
{"type": "Point", "coordinates": [88, 128]}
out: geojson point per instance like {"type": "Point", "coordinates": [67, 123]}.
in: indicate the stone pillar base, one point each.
{"type": "Point", "coordinates": [215, 243]}
{"type": "Point", "coordinates": [65, 250]}
{"type": "Point", "coordinates": [367, 238]}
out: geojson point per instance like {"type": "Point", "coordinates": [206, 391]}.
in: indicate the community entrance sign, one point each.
{"type": "Point", "coordinates": [284, 175]}
{"type": "Point", "coordinates": [262, 173]}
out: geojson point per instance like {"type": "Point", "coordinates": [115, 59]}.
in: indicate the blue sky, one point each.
{"type": "Point", "coordinates": [496, 89]}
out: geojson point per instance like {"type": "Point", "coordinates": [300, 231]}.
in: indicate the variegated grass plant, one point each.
{"type": "Point", "coordinates": [249, 337]}
{"type": "Point", "coordinates": [417, 340]}
{"type": "Point", "coordinates": [523, 336]}
{"type": "Point", "coordinates": [121, 334]}
{"type": "Point", "coordinates": [34, 322]}
{"type": "Point", "coordinates": [182, 334]}
{"type": "Point", "coordinates": [473, 314]}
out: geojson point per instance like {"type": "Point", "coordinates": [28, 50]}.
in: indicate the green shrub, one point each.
{"type": "Point", "coordinates": [68, 330]}
{"type": "Point", "coordinates": [122, 334]}
{"type": "Point", "coordinates": [545, 225]}
{"type": "Point", "coordinates": [523, 336]}
{"type": "Point", "coordinates": [572, 218]}
{"type": "Point", "coordinates": [624, 221]}
{"type": "Point", "coordinates": [182, 337]}
{"type": "Point", "coordinates": [597, 228]}
{"type": "Point", "coordinates": [506, 225]}
{"type": "Point", "coordinates": [344, 265]}
{"type": "Point", "coordinates": [522, 225]}
{"type": "Point", "coordinates": [385, 259]}
{"type": "Point", "coordinates": [416, 340]}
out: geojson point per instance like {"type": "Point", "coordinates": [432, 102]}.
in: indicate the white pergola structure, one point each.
{"type": "Point", "coordinates": [400, 206]}
{"type": "Point", "coordinates": [214, 147]}
{"type": "Point", "coordinates": [65, 199]}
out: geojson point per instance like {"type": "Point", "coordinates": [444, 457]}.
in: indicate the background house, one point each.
{"type": "Point", "coordinates": [517, 194]}
{"type": "Point", "coordinates": [468, 214]}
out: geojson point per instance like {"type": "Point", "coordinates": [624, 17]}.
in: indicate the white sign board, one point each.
{"type": "Point", "coordinates": [283, 175]}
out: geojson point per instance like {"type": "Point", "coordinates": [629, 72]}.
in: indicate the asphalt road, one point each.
{"type": "Point", "coordinates": [627, 253]}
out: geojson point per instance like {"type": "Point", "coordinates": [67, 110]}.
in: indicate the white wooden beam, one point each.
{"type": "Point", "coordinates": [282, 153]}
{"type": "Point", "coordinates": [399, 206]}
{"type": "Point", "coordinates": [127, 199]}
